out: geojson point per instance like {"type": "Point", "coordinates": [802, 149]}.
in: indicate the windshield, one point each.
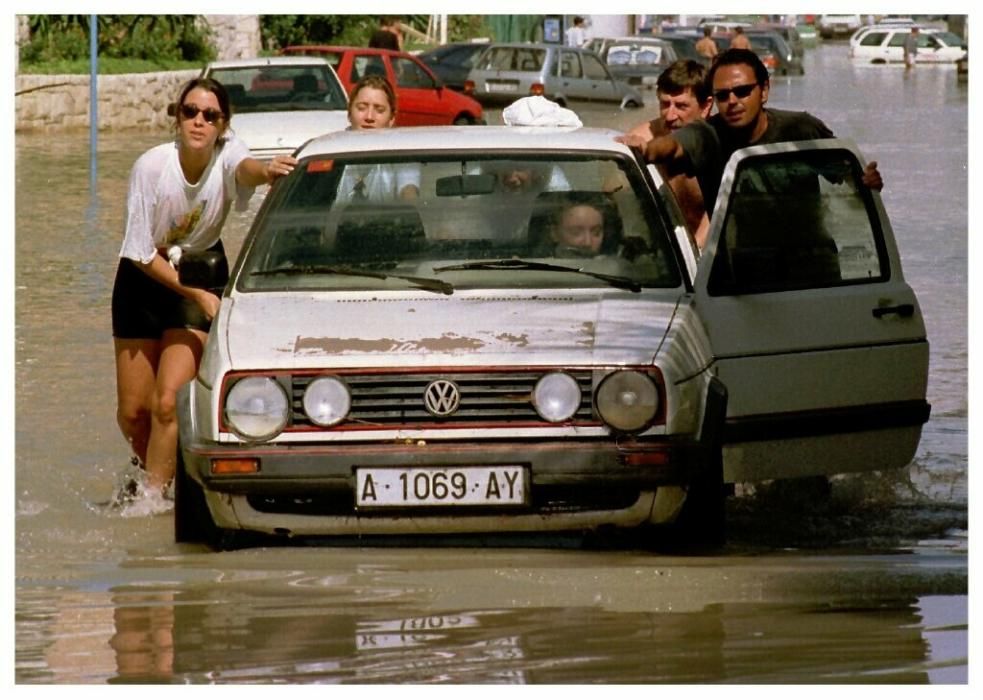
{"type": "Point", "coordinates": [634, 54]}
{"type": "Point", "coordinates": [378, 223]}
{"type": "Point", "coordinates": [281, 88]}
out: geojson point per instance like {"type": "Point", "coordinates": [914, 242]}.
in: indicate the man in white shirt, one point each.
{"type": "Point", "coordinates": [576, 36]}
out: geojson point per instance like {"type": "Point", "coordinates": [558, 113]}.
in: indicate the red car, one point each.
{"type": "Point", "coordinates": [423, 99]}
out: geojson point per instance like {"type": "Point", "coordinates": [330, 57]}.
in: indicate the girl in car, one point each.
{"type": "Point", "coordinates": [179, 196]}
{"type": "Point", "coordinates": [372, 105]}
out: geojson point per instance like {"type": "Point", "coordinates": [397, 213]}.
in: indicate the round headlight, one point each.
{"type": "Point", "coordinates": [556, 397]}
{"type": "Point", "coordinates": [257, 408]}
{"type": "Point", "coordinates": [327, 401]}
{"type": "Point", "coordinates": [627, 400]}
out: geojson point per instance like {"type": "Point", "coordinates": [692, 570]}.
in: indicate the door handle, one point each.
{"type": "Point", "coordinates": [904, 310]}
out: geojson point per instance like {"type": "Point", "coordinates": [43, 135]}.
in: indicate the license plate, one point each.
{"type": "Point", "coordinates": [501, 87]}
{"type": "Point", "coordinates": [440, 486]}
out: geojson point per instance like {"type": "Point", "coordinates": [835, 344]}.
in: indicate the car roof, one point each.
{"type": "Point", "coordinates": [432, 139]}
{"type": "Point", "coordinates": [534, 45]}
{"type": "Point", "coordinates": [267, 61]}
{"type": "Point", "coordinates": [343, 49]}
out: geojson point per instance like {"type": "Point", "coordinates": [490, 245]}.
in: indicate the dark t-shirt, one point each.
{"type": "Point", "coordinates": [382, 39]}
{"type": "Point", "coordinates": [709, 144]}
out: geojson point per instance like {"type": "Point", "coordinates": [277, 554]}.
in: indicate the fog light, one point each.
{"type": "Point", "coordinates": [556, 397]}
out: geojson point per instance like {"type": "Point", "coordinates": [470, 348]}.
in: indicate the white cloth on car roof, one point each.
{"type": "Point", "coordinates": [536, 110]}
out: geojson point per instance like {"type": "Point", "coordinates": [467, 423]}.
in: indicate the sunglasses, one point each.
{"type": "Point", "coordinates": [740, 92]}
{"type": "Point", "coordinates": [191, 111]}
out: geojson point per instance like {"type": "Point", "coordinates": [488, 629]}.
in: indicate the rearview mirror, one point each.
{"type": "Point", "coordinates": [463, 185]}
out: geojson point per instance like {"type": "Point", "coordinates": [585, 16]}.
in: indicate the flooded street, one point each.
{"type": "Point", "coordinates": [869, 585]}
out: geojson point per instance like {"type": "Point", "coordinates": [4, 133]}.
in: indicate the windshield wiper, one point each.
{"type": "Point", "coordinates": [517, 264]}
{"type": "Point", "coordinates": [427, 283]}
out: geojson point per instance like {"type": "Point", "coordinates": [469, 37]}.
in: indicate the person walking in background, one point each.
{"type": "Point", "coordinates": [910, 48]}
{"type": "Point", "coordinates": [740, 40]}
{"type": "Point", "coordinates": [179, 196]}
{"type": "Point", "coordinates": [387, 36]}
{"type": "Point", "coordinates": [577, 35]}
{"type": "Point", "coordinates": [684, 96]}
{"type": "Point", "coordinates": [706, 46]}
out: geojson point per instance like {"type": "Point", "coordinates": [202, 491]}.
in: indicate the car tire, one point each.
{"type": "Point", "coordinates": [192, 519]}
{"type": "Point", "coordinates": [463, 120]}
{"type": "Point", "coordinates": [701, 524]}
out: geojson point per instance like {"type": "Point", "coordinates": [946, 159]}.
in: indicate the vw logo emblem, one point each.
{"type": "Point", "coordinates": [442, 397]}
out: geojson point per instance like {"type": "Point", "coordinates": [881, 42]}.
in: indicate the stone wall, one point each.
{"type": "Point", "coordinates": [136, 101]}
{"type": "Point", "coordinates": [130, 101]}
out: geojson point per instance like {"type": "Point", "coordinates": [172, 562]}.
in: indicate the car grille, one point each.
{"type": "Point", "coordinates": [389, 400]}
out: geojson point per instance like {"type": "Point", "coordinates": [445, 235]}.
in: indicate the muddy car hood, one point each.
{"type": "Point", "coordinates": [270, 331]}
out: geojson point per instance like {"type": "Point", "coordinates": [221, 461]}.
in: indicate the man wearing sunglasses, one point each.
{"type": "Point", "coordinates": [702, 148]}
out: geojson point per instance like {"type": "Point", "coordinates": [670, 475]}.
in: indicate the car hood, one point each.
{"type": "Point", "coordinates": [286, 131]}
{"type": "Point", "coordinates": [288, 331]}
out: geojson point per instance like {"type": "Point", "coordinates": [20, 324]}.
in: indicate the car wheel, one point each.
{"type": "Point", "coordinates": [701, 524]}
{"type": "Point", "coordinates": [192, 519]}
{"type": "Point", "coordinates": [463, 120]}
{"type": "Point", "coordinates": [631, 104]}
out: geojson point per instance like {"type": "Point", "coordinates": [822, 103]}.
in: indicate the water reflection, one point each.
{"type": "Point", "coordinates": [160, 636]}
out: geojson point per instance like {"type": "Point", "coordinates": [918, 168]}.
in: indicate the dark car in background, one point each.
{"type": "Point", "coordinates": [635, 60]}
{"type": "Point", "coordinates": [452, 62]}
{"type": "Point", "coordinates": [789, 33]}
{"type": "Point", "coordinates": [774, 52]}
{"type": "Point", "coordinates": [639, 63]}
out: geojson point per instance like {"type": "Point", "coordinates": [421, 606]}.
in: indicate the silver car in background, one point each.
{"type": "Point", "coordinates": [506, 72]}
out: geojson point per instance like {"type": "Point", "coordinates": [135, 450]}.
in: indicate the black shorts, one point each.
{"type": "Point", "coordinates": [145, 308]}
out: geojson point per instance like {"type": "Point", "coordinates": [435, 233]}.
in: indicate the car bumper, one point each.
{"type": "Point", "coordinates": [573, 485]}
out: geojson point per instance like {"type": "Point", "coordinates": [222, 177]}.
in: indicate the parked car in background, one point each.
{"type": "Point", "coordinates": [774, 52]}
{"type": "Point", "coordinates": [885, 44]}
{"type": "Point", "coordinates": [837, 26]}
{"type": "Point", "coordinates": [505, 72]}
{"type": "Point", "coordinates": [280, 102]}
{"type": "Point", "coordinates": [808, 34]}
{"type": "Point", "coordinates": [683, 44]}
{"type": "Point", "coordinates": [789, 33]}
{"type": "Point", "coordinates": [452, 62]}
{"type": "Point", "coordinates": [685, 35]}
{"type": "Point", "coordinates": [635, 60]}
{"type": "Point", "coordinates": [463, 363]}
{"type": "Point", "coordinates": [422, 98]}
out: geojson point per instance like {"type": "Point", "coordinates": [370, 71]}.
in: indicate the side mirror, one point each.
{"type": "Point", "coordinates": [207, 269]}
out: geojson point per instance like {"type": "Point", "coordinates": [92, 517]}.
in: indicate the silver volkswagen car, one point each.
{"type": "Point", "coordinates": [489, 330]}
{"type": "Point", "coordinates": [505, 72]}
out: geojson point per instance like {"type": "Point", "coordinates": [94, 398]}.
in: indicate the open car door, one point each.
{"type": "Point", "coordinates": [814, 331]}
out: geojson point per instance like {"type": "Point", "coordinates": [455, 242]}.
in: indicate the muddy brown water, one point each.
{"type": "Point", "coordinates": [869, 586]}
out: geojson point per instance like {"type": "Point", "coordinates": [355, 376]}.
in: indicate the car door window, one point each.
{"type": "Point", "coordinates": [593, 68]}
{"type": "Point", "coordinates": [798, 222]}
{"type": "Point", "coordinates": [569, 65]}
{"type": "Point", "coordinates": [367, 65]}
{"type": "Point", "coordinates": [873, 39]}
{"type": "Point", "coordinates": [410, 75]}
{"type": "Point", "coordinates": [898, 39]}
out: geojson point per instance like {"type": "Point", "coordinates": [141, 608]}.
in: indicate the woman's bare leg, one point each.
{"type": "Point", "coordinates": [180, 354]}
{"type": "Point", "coordinates": [136, 378]}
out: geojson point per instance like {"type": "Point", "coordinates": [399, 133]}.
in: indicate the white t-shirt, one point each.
{"type": "Point", "coordinates": [377, 183]}
{"type": "Point", "coordinates": [576, 36]}
{"type": "Point", "coordinates": [164, 209]}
